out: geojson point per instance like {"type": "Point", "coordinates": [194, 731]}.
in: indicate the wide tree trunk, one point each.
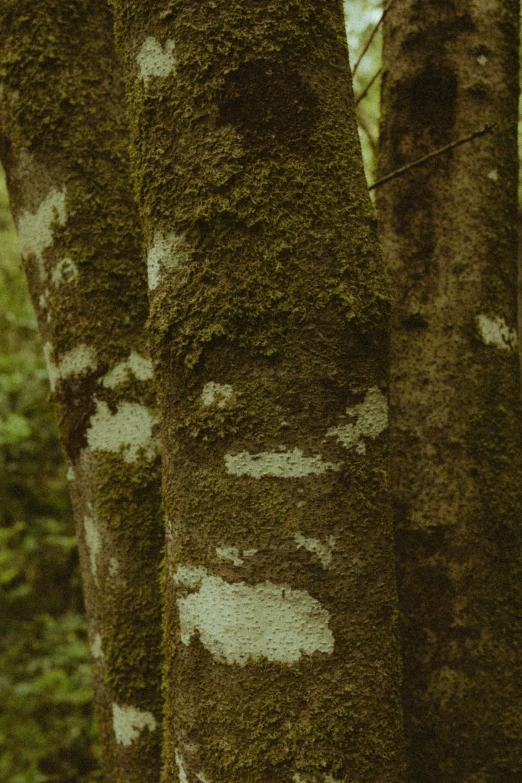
{"type": "Point", "coordinates": [449, 232]}
{"type": "Point", "coordinates": [64, 147]}
{"type": "Point", "coordinates": [269, 314]}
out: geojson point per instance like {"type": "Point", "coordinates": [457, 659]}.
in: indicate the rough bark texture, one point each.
{"type": "Point", "coordinates": [64, 148]}
{"type": "Point", "coordinates": [519, 297]}
{"type": "Point", "coordinates": [269, 317]}
{"type": "Point", "coordinates": [450, 242]}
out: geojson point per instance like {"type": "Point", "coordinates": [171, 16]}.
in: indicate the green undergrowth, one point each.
{"type": "Point", "coordinates": [47, 729]}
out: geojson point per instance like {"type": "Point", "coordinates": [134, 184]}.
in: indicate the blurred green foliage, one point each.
{"type": "Point", "coordinates": [47, 729]}
{"type": "Point", "coordinates": [361, 17]}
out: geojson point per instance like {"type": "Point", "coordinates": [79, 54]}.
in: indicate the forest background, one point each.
{"type": "Point", "coordinates": [47, 723]}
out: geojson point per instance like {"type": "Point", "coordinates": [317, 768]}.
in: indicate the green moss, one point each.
{"type": "Point", "coordinates": [63, 126]}
{"type": "Point", "coordinates": [259, 157]}
{"type": "Point", "coordinates": [249, 151]}
{"type": "Point", "coordinates": [58, 119]}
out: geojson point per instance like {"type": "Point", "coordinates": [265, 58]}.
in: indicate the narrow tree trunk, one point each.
{"type": "Point", "coordinates": [519, 280]}
{"type": "Point", "coordinates": [450, 241]}
{"type": "Point", "coordinates": [64, 148]}
{"type": "Point", "coordinates": [269, 322]}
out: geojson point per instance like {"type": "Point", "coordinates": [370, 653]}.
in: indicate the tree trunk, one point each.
{"type": "Point", "coordinates": [269, 314]}
{"type": "Point", "coordinates": [450, 242]}
{"type": "Point", "coordinates": [64, 148]}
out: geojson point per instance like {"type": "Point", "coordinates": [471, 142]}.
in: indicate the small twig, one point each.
{"type": "Point", "coordinates": [364, 127]}
{"type": "Point", "coordinates": [372, 36]}
{"type": "Point", "coordinates": [420, 161]}
{"type": "Point", "coordinates": [368, 87]}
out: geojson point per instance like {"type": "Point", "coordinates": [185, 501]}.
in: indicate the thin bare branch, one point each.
{"type": "Point", "coordinates": [372, 36]}
{"type": "Point", "coordinates": [361, 122]}
{"type": "Point", "coordinates": [368, 87]}
{"type": "Point", "coordinates": [441, 151]}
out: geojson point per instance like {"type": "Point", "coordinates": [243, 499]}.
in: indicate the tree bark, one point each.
{"type": "Point", "coordinates": [449, 234]}
{"type": "Point", "coordinates": [64, 145]}
{"type": "Point", "coordinates": [269, 313]}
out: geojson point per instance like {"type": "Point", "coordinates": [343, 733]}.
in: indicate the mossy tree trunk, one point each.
{"type": "Point", "coordinates": [269, 318]}
{"type": "Point", "coordinates": [449, 233]}
{"type": "Point", "coordinates": [65, 150]}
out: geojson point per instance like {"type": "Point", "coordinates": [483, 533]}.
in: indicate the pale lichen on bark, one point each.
{"type": "Point", "coordinates": [63, 144]}
{"type": "Point", "coordinates": [450, 239]}
{"type": "Point", "coordinates": [269, 311]}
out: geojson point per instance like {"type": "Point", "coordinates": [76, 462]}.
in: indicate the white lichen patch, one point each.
{"type": "Point", "coordinates": [77, 361]}
{"type": "Point", "coordinates": [34, 228]}
{"type": "Point", "coordinates": [155, 60]}
{"type": "Point", "coordinates": [128, 430]}
{"type": "Point", "coordinates": [482, 59]}
{"type": "Point", "coordinates": [172, 530]}
{"type": "Point", "coordinates": [74, 362]}
{"type": "Point", "coordinates": [239, 622]}
{"type": "Point", "coordinates": [43, 304]}
{"type": "Point", "coordinates": [495, 331]}
{"type": "Point", "coordinates": [493, 175]}
{"type": "Point", "coordinates": [168, 251]}
{"type": "Point", "coordinates": [71, 475]}
{"type": "Point", "coordinates": [230, 553]}
{"type": "Point", "coordinates": [181, 768]}
{"type": "Point", "coordinates": [182, 772]}
{"type": "Point", "coordinates": [233, 554]}
{"type": "Point", "coordinates": [372, 419]}
{"type": "Point", "coordinates": [128, 723]}
{"type": "Point", "coordinates": [283, 464]}
{"type": "Point", "coordinates": [93, 543]}
{"type": "Point", "coordinates": [65, 271]}
{"type": "Point", "coordinates": [52, 370]}
{"type": "Point", "coordinates": [136, 365]}
{"type": "Point", "coordinates": [96, 647]}
{"type": "Point", "coordinates": [216, 394]}
{"type": "Point", "coordinates": [323, 549]}
{"type": "Point", "coordinates": [189, 576]}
